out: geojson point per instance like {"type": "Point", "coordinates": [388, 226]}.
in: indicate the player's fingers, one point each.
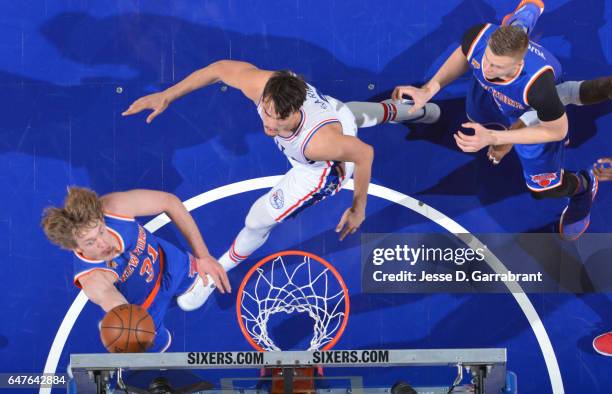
{"type": "Point", "coordinates": [398, 92]}
{"type": "Point", "coordinates": [204, 279]}
{"type": "Point", "coordinates": [154, 114]}
{"type": "Point", "coordinates": [418, 104]}
{"type": "Point", "coordinates": [409, 90]}
{"type": "Point", "coordinates": [217, 279]}
{"type": "Point", "coordinates": [132, 109]}
{"type": "Point", "coordinates": [345, 232]}
{"type": "Point", "coordinates": [461, 144]}
{"type": "Point", "coordinates": [395, 94]}
{"type": "Point", "coordinates": [470, 125]}
{"type": "Point", "coordinates": [224, 281]}
{"type": "Point", "coordinates": [463, 137]}
{"type": "Point", "coordinates": [402, 91]}
{"type": "Point", "coordinates": [342, 221]}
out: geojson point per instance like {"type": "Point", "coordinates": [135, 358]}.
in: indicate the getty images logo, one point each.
{"type": "Point", "coordinates": [410, 255]}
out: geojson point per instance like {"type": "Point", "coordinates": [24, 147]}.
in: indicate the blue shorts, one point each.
{"type": "Point", "coordinates": [542, 163]}
{"type": "Point", "coordinates": [178, 277]}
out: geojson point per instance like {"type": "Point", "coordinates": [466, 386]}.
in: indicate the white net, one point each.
{"type": "Point", "coordinates": [305, 287]}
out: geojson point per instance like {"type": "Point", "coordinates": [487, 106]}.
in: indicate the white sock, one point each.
{"type": "Point", "coordinates": [569, 92]}
{"type": "Point", "coordinates": [371, 114]}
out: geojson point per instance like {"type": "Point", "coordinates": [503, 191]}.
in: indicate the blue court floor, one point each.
{"type": "Point", "coordinates": [69, 68]}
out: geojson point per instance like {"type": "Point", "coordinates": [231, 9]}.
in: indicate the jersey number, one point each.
{"type": "Point", "coordinates": [147, 264]}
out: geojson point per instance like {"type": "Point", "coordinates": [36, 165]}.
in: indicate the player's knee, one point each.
{"type": "Point", "coordinates": [258, 221]}
{"type": "Point", "coordinates": [259, 217]}
{"type": "Point", "coordinates": [557, 192]}
{"type": "Point", "coordinates": [250, 222]}
{"type": "Point", "coordinates": [565, 189]}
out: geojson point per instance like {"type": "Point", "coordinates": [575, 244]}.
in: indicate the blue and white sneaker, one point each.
{"type": "Point", "coordinates": [525, 15]}
{"type": "Point", "coordinates": [576, 216]}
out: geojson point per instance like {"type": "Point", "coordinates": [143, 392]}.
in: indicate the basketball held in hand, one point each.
{"type": "Point", "coordinates": [127, 328]}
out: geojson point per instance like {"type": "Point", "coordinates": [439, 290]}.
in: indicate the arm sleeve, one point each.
{"type": "Point", "coordinates": [469, 36]}
{"type": "Point", "coordinates": [542, 97]}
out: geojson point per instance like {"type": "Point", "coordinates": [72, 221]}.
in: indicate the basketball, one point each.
{"type": "Point", "coordinates": [127, 329]}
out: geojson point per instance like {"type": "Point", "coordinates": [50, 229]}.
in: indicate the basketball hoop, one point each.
{"type": "Point", "coordinates": [293, 282]}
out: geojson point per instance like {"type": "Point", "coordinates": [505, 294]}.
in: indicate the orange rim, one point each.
{"type": "Point", "coordinates": [293, 253]}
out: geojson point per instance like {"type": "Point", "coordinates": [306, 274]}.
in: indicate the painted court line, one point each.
{"type": "Point", "coordinates": [391, 195]}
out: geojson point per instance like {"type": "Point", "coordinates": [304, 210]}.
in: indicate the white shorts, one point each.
{"type": "Point", "coordinates": [304, 185]}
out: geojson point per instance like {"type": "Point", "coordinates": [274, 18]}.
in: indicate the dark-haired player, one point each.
{"type": "Point", "coordinates": [317, 133]}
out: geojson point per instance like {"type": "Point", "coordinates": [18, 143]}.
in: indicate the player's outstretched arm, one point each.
{"type": "Point", "coordinates": [140, 202]}
{"type": "Point", "coordinates": [543, 132]}
{"type": "Point", "coordinates": [455, 66]}
{"type": "Point", "coordinates": [240, 75]}
{"type": "Point", "coordinates": [100, 289]}
{"type": "Point", "coordinates": [329, 144]}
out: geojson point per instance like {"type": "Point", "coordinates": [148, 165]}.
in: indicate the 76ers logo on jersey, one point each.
{"type": "Point", "coordinates": [277, 199]}
{"type": "Point", "coordinates": [544, 179]}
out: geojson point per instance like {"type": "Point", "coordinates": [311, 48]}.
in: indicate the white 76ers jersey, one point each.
{"type": "Point", "coordinates": [317, 111]}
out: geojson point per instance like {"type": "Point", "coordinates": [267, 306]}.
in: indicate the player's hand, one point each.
{"type": "Point", "coordinates": [603, 169]}
{"type": "Point", "coordinates": [420, 96]}
{"type": "Point", "coordinates": [350, 222]}
{"type": "Point", "coordinates": [497, 152]}
{"type": "Point", "coordinates": [473, 143]}
{"type": "Point", "coordinates": [158, 102]}
{"type": "Point", "coordinates": [210, 266]}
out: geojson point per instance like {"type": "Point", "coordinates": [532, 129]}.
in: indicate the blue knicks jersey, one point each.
{"type": "Point", "coordinates": [138, 265]}
{"type": "Point", "coordinates": [511, 95]}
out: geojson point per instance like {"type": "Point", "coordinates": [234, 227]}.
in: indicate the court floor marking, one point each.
{"type": "Point", "coordinates": [390, 195]}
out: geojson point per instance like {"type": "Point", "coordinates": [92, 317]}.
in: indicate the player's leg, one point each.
{"type": "Point", "coordinates": [570, 92]}
{"type": "Point", "coordinates": [525, 15]}
{"type": "Point", "coordinates": [594, 91]}
{"type": "Point", "coordinates": [586, 92]}
{"type": "Point", "coordinates": [190, 292]}
{"type": "Point", "coordinates": [256, 231]}
{"type": "Point", "coordinates": [157, 310]}
{"type": "Point", "coordinates": [163, 340]}
{"type": "Point", "coordinates": [546, 178]}
{"type": "Point", "coordinates": [368, 114]}
{"type": "Point", "coordinates": [257, 226]}
{"type": "Point", "coordinates": [297, 190]}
